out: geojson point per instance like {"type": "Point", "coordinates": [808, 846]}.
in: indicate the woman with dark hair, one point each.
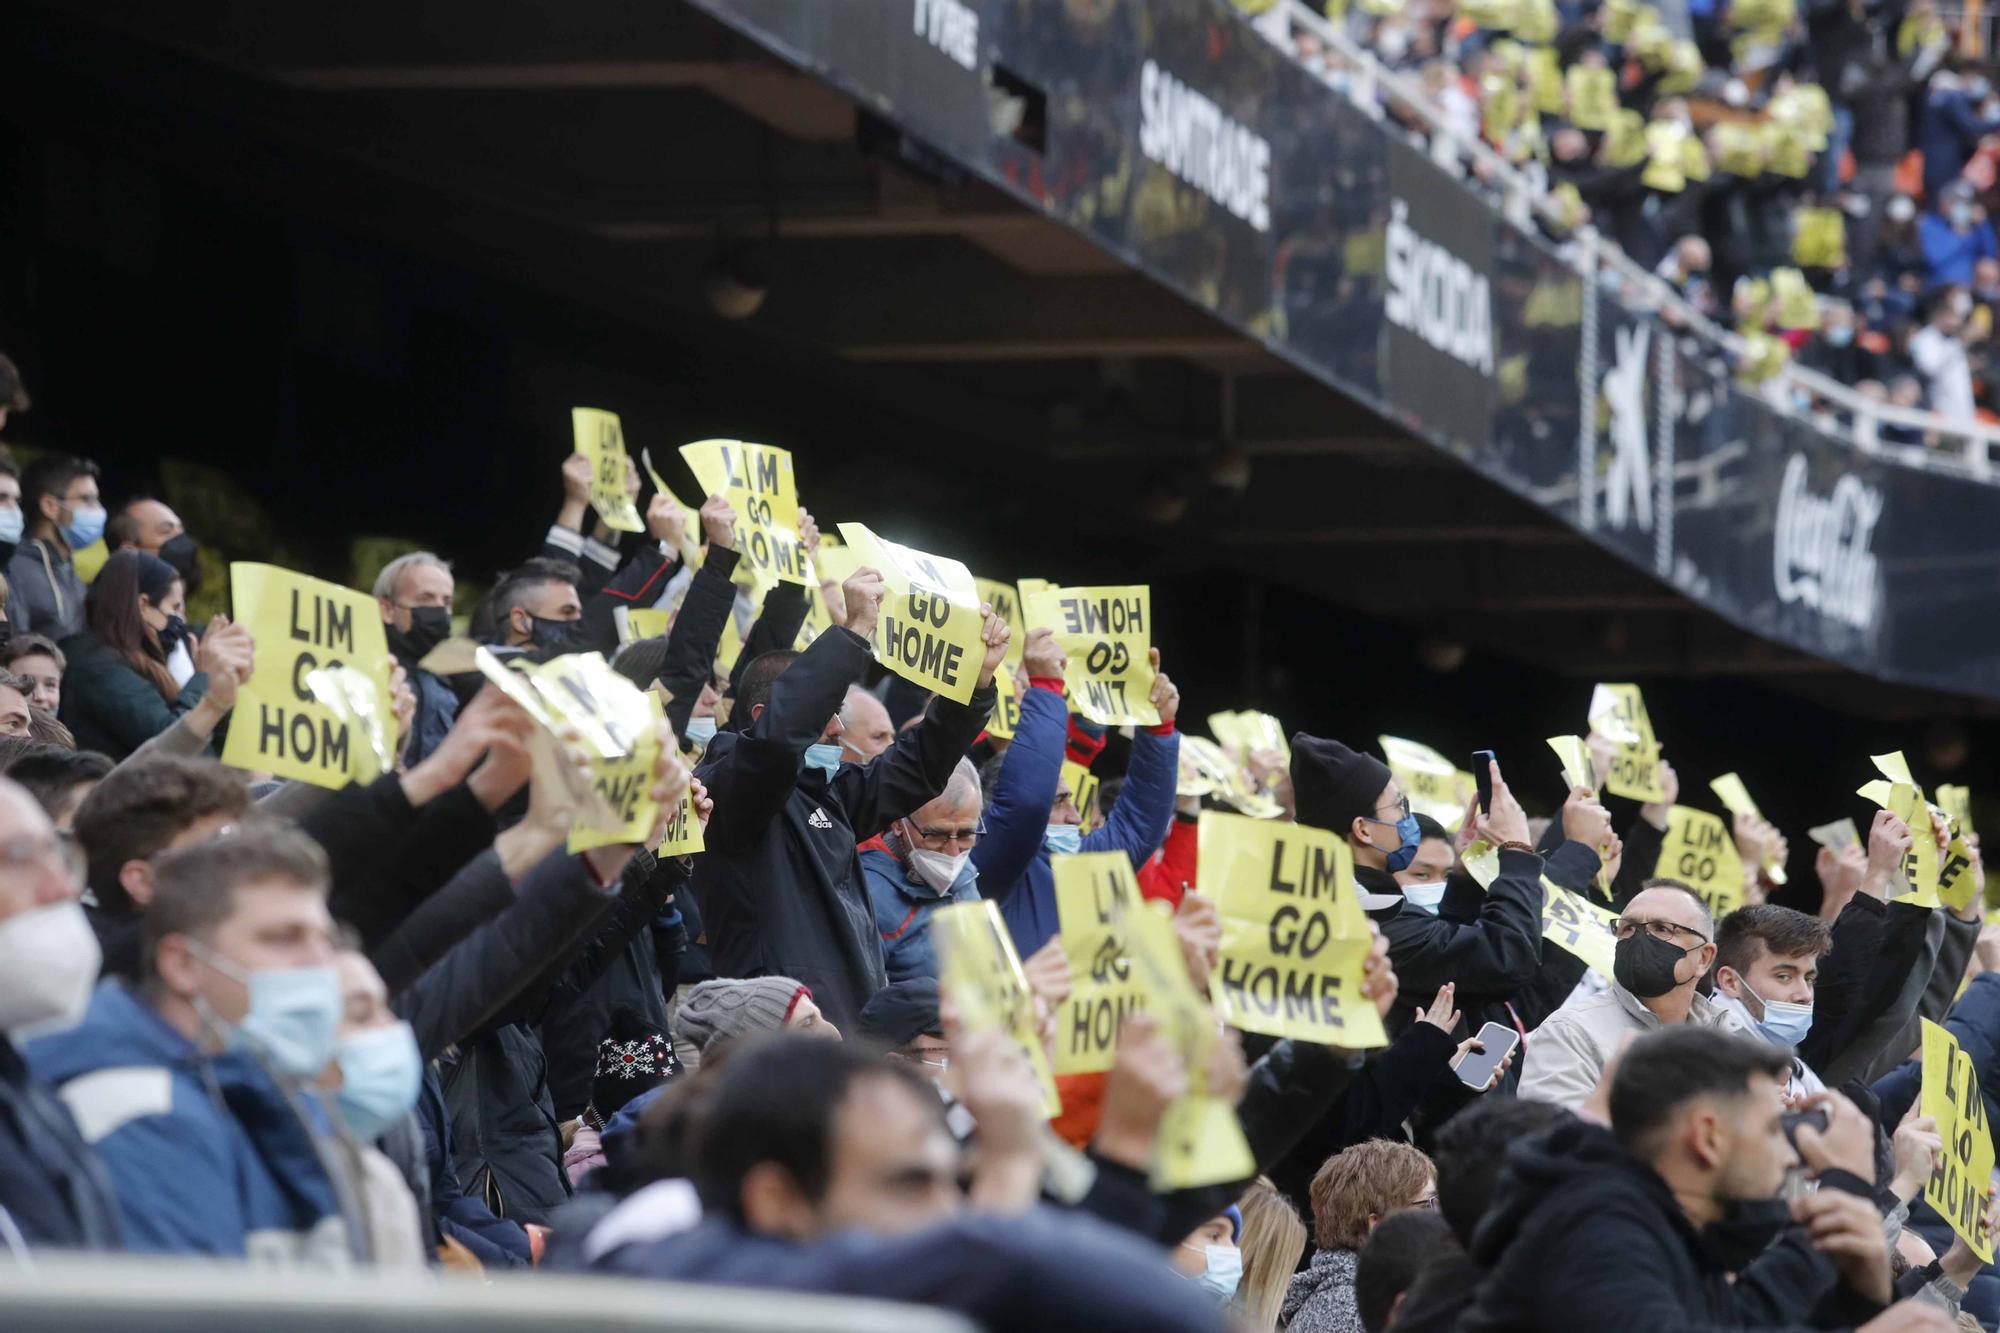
{"type": "Point", "coordinates": [120, 690]}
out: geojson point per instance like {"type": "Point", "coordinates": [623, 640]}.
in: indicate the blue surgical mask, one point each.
{"type": "Point", "coordinates": [824, 757]}
{"type": "Point", "coordinates": [1840, 335]}
{"type": "Point", "coordinates": [1427, 897]}
{"type": "Point", "coordinates": [700, 730]}
{"type": "Point", "coordinates": [1412, 837]}
{"type": "Point", "coordinates": [381, 1071]}
{"type": "Point", "coordinates": [11, 523]}
{"type": "Point", "coordinates": [293, 1016]}
{"type": "Point", "coordinates": [1063, 839]}
{"type": "Point", "coordinates": [86, 525]}
{"type": "Point", "coordinates": [1783, 1022]}
{"type": "Point", "coordinates": [1223, 1273]}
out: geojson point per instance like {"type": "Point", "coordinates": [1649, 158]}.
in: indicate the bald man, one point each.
{"type": "Point", "coordinates": [865, 727]}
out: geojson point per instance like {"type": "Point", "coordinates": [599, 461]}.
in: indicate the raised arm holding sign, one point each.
{"type": "Point", "coordinates": [1107, 633]}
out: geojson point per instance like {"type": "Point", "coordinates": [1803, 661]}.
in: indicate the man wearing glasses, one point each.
{"type": "Point", "coordinates": [1666, 943]}
{"type": "Point", "coordinates": [919, 865]}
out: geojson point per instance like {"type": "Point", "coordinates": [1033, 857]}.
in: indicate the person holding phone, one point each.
{"type": "Point", "coordinates": [1490, 957]}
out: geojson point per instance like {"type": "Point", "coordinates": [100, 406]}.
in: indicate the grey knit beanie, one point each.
{"type": "Point", "coordinates": [718, 1010]}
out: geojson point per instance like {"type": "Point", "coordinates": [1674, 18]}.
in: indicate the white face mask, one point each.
{"type": "Point", "coordinates": [936, 869]}
{"type": "Point", "coordinates": [1427, 897]}
{"type": "Point", "coordinates": [48, 964]}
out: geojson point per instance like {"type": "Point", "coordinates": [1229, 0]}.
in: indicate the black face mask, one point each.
{"type": "Point", "coordinates": [183, 555]}
{"type": "Point", "coordinates": [173, 635]}
{"type": "Point", "coordinates": [429, 627]}
{"type": "Point", "coordinates": [1645, 966]}
{"type": "Point", "coordinates": [553, 637]}
{"type": "Point", "coordinates": [1747, 1229]}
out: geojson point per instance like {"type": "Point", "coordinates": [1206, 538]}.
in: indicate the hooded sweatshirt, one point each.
{"type": "Point", "coordinates": [1583, 1237]}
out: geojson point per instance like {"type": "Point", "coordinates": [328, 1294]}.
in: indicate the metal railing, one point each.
{"type": "Point", "coordinates": [1954, 448]}
{"type": "Point", "coordinates": [84, 1294]}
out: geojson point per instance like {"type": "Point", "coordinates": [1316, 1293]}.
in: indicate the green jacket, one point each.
{"type": "Point", "coordinates": [112, 708]}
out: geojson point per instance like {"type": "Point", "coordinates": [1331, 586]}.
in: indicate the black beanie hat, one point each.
{"type": "Point", "coordinates": [633, 1059]}
{"type": "Point", "coordinates": [1332, 784]}
{"type": "Point", "coordinates": [897, 1015]}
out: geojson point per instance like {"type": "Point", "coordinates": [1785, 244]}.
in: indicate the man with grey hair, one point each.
{"type": "Point", "coordinates": [1666, 944]}
{"type": "Point", "coordinates": [865, 728]}
{"type": "Point", "coordinates": [415, 592]}
{"type": "Point", "coordinates": [919, 865]}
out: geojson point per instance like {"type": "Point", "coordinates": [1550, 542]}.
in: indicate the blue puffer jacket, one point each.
{"type": "Point", "coordinates": [1013, 865]}
{"type": "Point", "coordinates": [903, 911]}
{"type": "Point", "coordinates": [207, 1154]}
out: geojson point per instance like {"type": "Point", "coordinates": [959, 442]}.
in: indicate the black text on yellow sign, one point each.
{"type": "Point", "coordinates": [1107, 634]}
{"type": "Point", "coordinates": [301, 624]}
{"type": "Point", "coordinates": [1959, 1183]}
{"type": "Point", "coordinates": [1700, 852]}
{"type": "Point", "coordinates": [930, 627]}
{"type": "Point", "coordinates": [1095, 892]}
{"type": "Point", "coordinates": [758, 482]}
{"type": "Point", "coordinates": [1294, 940]}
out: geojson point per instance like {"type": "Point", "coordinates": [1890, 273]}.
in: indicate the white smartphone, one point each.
{"type": "Point", "coordinates": [1475, 1068]}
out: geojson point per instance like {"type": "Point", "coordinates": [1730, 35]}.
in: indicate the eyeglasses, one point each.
{"type": "Point", "coordinates": [1401, 807]}
{"type": "Point", "coordinates": [951, 834]}
{"type": "Point", "coordinates": [1428, 1203]}
{"type": "Point", "coordinates": [1665, 931]}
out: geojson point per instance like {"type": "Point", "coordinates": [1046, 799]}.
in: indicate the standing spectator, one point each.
{"type": "Point", "coordinates": [1938, 349]}
{"type": "Point", "coordinates": [918, 866]}
{"type": "Point", "coordinates": [122, 691]}
{"type": "Point", "coordinates": [64, 515]}
{"type": "Point", "coordinates": [1954, 119]}
{"type": "Point", "coordinates": [780, 886]}
{"type": "Point", "coordinates": [1955, 236]}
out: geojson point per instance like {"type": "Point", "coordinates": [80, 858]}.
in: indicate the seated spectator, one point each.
{"type": "Point", "coordinates": [53, 1189]}
{"type": "Point", "coordinates": [720, 1011]}
{"type": "Point", "coordinates": [191, 1086]}
{"type": "Point", "coordinates": [1351, 1194]}
{"type": "Point", "coordinates": [1955, 236]}
{"type": "Point", "coordinates": [63, 515]}
{"type": "Point", "coordinates": [1211, 1256]}
{"type": "Point", "coordinates": [1390, 1261]}
{"type": "Point", "coordinates": [1665, 946]}
{"type": "Point", "coordinates": [821, 1168]}
{"type": "Point", "coordinates": [631, 1061]}
{"type": "Point", "coordinates": [123, 686]}
{"type": "Point", "coordinates": [17, 715]}
{"type": "Point", "coordinates": [59, 779]}
{"type": "Point", "coordinates": [374, 1079]}
{"type": "Point", "coordinates": [1273, 1242]}
{"type": "Point", "coordinates": [36, 660]}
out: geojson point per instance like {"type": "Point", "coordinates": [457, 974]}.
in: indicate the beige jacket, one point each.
{"type": "Point", "coordinates": [1567, 1053]}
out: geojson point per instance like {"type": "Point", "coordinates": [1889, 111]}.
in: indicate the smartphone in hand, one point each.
{"type": "Point", "coordinates": [1475, 1068]}
{"type": "Point", "coordinates": [1482, 773]}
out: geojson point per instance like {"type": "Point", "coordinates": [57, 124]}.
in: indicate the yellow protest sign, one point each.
{"type": "Point", "coordinates": [1625, 140]}
{"type": "Point", "coordinates": [1684, 69]}
{"type": "Point", "coordinates": [1797, 308]}
{"type": "Point", "coordinates": [930, 626]}
{"type": "Point", "coordinates": [1481, 860]}
{"type": "Point", "coordinates": [1106, 632]}
{"type": "Point", "coordinates": [617, 723]}
{"type": "Point", "coordinates": [818, 620]}
{"type": "Point", "coordinates": [691, 532]}
{"type": "Point", "coordinates": [684, 835]}
{"type": "Point", "coordinates": [301, 624]}
{"type": "Point", "coordinates": [1694, 159]}
{"type": "Point", "coordinates": [727, 648]}
{"type": "Point", "coordinates": [1735, 798]}
{"type": "Point", "coordinates": [1082, 788]}
{"type": "Point", "coordinates": [1206, 769]}
{"type": "Point", "coordinates": [1958, 885]}
{"type": "Point", "coordinates": [1577, 769]}
{"type": "Point", "coordinates": [1739, 149]}
{"type": "Point", "coordinates": [1499, 104]}
{"type": "Point", "coordinates": [1200, 1140]}
{"type": "Point", "coordinates": [641, 622]}
{"type": "Point", "coordinates": [1095, 893]}
{"type": "Point", "coordinates": [1958, 1186]}
{"type": "Point", "coordinates": [979, 970]}
{"type": "Point", "coordinates": [1837, 836]}
{"type": "Point", "coordinates": [1006, 604]}
{"type": "Point", "coordinates": [757, 480]}
{"type": "Point", "coordinates": [1957, 803]}
{"type": "Point", "coordinates": [1896, 791]}
{"type": "Point", "coordinates": [353, 698]}
{"type": "Point", "coordinates": [1006, 719]}
{"type": "Point", "coordinates": [1700, 852]}
{"type": "Point", "coordinates": [1785, 150]}
{"type": "Point", "coordinates": [1433, 784]}
{"type": "Point", "coordinates": [1593, 97]}
{"type": "Point", "coordinates": [1820, 240]}
{"type": "Point", "coordinates": [1579, 926]}
{"type": "Point", "coordinates": [1619, 713]}
{"type": "Point", "coordinates": [1537, 21]}
{"type": "Point", "coordinates": [1246, 732]}
{"type": "Point", "coordinates": [1664, 140]}
{"type": "Point", "coordinates": [1294, 938]}
{"type": "Point", "coordinates": [600, 439]}
{"type": "Point", "coordinates": [1545, 81]}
